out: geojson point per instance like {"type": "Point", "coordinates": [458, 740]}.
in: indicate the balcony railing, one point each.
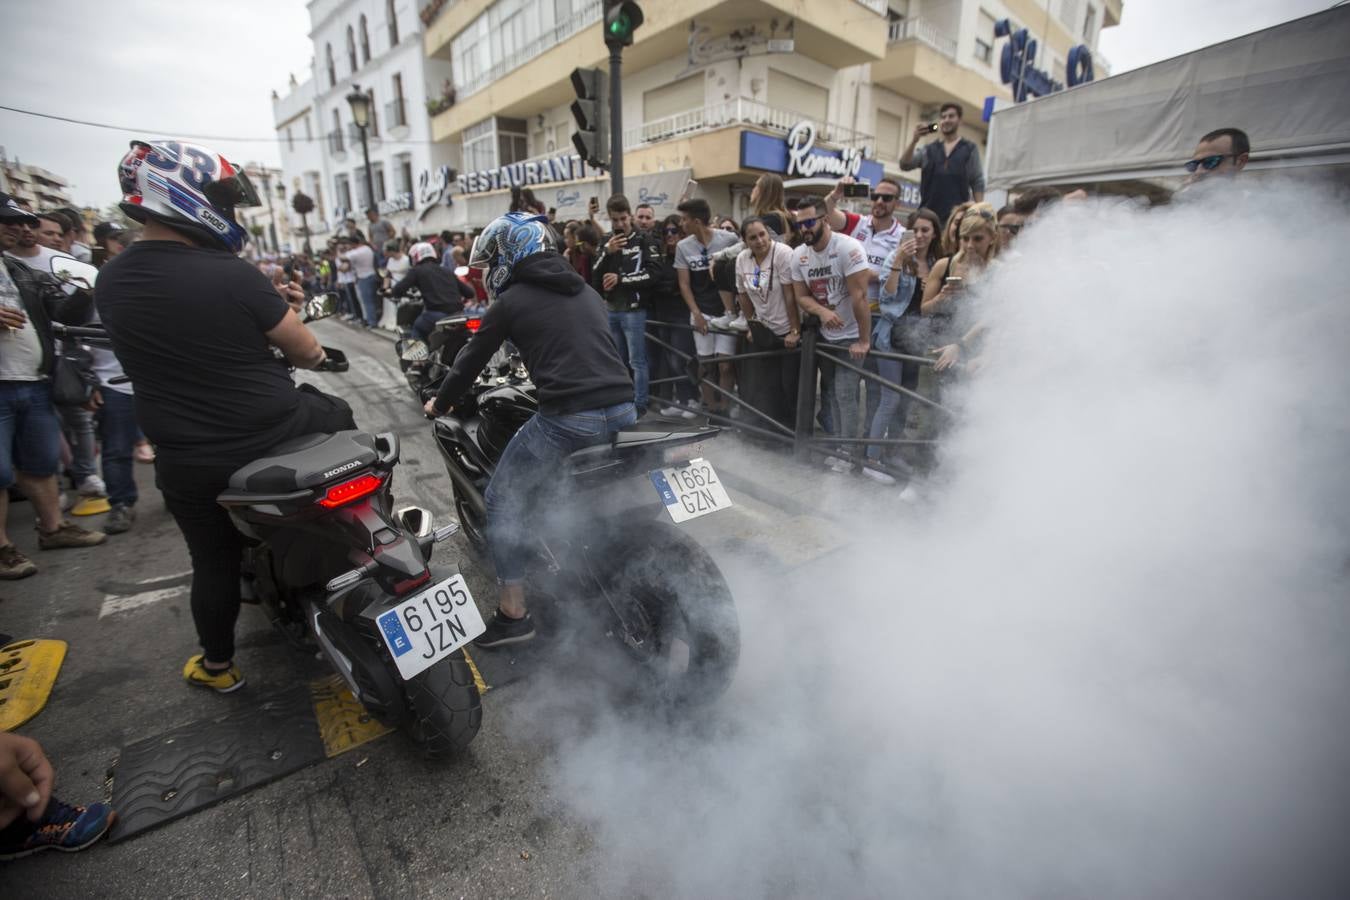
{"type": "Point", "coordinates": [396, 113]}
{"type": "Point", "coordinates": [372, 131]}
{"type": "Point", "coordinates": [551, 38]}
{"type": "Point", "coordinates": [924, 32]}
{"type": "Point", "coordinates": [876, 6]}
{"type": "Point", "coordinates": [741, 110]}
{"type": "Point", "coordinates": [335, 141]}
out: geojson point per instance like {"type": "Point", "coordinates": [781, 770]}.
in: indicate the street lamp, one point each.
{"type": "Point", "coordinates": [359, 101]}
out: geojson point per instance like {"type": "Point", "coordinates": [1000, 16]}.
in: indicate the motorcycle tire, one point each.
{"type": "Point", "coordinates": [445, 708]}
{"type": "Point", "coordinates": [470, 525]}
{"type": "Point", "coordinates": [685, 599]}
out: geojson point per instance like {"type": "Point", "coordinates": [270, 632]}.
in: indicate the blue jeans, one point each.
{"type": "Point", "coordinates": [425, 323]}
{"type": "Point", "coordinates": [629, 330]}
{"type": "Point", "coordinates": [528, 464]}
{"type": "Point", "coordinates": [118, 432]}
{"type": "Point", "coordinates": [370, 304]}
{"type": "Point", "coordinates": [30, 431]}
{"type": "Point", "coordinates": [839, 394]}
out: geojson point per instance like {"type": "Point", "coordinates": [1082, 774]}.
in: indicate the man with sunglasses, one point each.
{"type": "Point", "coordinates": [1222, 152]}
{"type": "Point", "coordinates": [1009, 225]}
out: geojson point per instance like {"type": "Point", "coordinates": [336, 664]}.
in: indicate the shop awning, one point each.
{"type": "Point", "coordinates": [1288, 87]}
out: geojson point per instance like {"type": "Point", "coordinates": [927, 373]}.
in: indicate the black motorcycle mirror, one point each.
{"type": "Point", "coordinates": [320, 306]}
{"type": "Point", "coordinates": [69, 270]}
{"type": "Point", "coordinates": [336, 361]}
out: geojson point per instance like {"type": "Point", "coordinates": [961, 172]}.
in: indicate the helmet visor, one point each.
{"type": "Point", "coordinates": [233, 191]}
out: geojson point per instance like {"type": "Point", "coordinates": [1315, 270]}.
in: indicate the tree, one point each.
{"type": "Point", "coordinates": [303, 205]}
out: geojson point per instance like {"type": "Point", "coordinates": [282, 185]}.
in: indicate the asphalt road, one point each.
{"type": "Point", "coordinates": [377, 821]}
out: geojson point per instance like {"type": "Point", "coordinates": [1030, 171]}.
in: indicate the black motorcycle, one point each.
{"type": "Point", "coordinates": [425, 363]}
{"type": "Point", "coordinates": [614, 540]}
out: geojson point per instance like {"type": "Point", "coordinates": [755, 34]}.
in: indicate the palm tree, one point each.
{"type": "Point", "coordinates": [303, 205]}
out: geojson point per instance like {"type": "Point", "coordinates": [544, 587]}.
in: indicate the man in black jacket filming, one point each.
{"type": "Point", "coordinates": [626, 274]}
{"type": "Point", "coordinates": [558, 323]}
{"type": "Point", "coordinates": [443, 294]}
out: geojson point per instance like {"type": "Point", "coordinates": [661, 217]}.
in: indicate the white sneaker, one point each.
{"type": "Point", "coordinates": [877, 475]}
{"type": "Point", "coordinates": [671, 411]}
{"type": "Point", "coordinates": [837, 464]}
{"type": "Point", "coordinates": [723, 322]}
{"type": "Point", "coordinates": [688, 414]}
{"type": "Point", "coordinates": [93, 486]}
{"type": "Point", "coordinates": [739, 324]}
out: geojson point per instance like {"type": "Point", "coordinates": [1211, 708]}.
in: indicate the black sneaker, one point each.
{"type": "Point", "coordinates": [502, 630]}
{"type": "Point", "coordinates": [119, 519]}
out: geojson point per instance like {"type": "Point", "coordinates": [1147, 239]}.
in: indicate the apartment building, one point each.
{"type": "Point", "coordinates": [374, 46]}
{"type": "Point", "coordinates": [721, 91]}
{"type": "Point", "coordinates": [33, 186]}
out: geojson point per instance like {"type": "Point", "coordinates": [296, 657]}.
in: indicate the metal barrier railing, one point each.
{"type": "Point", "coordinates": [811, 352]}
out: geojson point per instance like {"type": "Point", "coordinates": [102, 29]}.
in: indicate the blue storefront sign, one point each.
{"type": "Point", "coordinates": [1017, 64]}
{"type": "Point", "coordinates": [797, 156]}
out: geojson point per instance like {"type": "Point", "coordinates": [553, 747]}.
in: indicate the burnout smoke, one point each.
{"type": "Point", "coordinates": [1107, 658]}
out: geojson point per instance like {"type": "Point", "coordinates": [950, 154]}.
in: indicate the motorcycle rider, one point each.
{"type": "Point", "coordinates": [194, 326]}
{"type": "Point", "coordinates": [561, 328]}
{"type": "Point", "coordinates": [442, 293]}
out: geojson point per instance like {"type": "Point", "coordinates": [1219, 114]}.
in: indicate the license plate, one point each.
{"type": "Point", "coordinates": [427, 627]}
{"type": "Point", "coordinates": [690, 490]}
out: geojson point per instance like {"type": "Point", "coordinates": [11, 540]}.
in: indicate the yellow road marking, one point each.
{"type": "Point", "coordinates": [483, 686]}
{"type": "Point", "coordinates": [28, 669]}
{"type": "Point", "coordinates": [343, 722]}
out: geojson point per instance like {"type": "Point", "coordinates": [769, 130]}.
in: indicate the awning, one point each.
{"type": "Point", "coordinates": [1288, 87]}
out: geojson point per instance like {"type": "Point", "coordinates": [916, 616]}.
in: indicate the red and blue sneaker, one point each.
{"type": "Point", "coordinates": [62, 827]}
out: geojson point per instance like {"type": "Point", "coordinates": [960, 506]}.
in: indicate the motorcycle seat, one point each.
{"type": "Point", "coordinates": [305, 462]}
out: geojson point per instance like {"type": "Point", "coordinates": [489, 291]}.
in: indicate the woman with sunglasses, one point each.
{"type": "Point", "coordinates": [764, 291]}
{"type": "Point", "coordinates": [668, 307]}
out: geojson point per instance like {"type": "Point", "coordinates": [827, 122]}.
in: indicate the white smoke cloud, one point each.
{"type": "Point", "coordinates": [1109, 659]}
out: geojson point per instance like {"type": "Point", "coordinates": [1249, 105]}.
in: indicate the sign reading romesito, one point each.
{"type": "Point", "coordinates": [526, 174]}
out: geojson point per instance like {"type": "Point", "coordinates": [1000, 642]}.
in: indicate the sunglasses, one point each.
{"type": "Point", "coordinates": [1208, 163]}
{"type": "Point", "coordinates": [885, 198]}
{"type": "Point", "coordinates": [807, 224]}
{"type": "Point", "coordinates": [672, 230]}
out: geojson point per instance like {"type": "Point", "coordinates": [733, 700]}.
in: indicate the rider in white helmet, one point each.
{"type": "Point", "coordinates": [193, 325]}
{"type": "Point", "coordinates": [442, 293]}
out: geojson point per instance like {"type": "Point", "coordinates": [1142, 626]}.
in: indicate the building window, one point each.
{"type": "Point", "coordinates": [332, 72]}
{"type": "Point", "coordinates": [984, 38]}
{"type": "Point", "coordinates": [309, 132]}
{"type": "Point", "coordinates": [290, 141]}
{"type": "Point", "coordinates": [343, 192]}
{"type": "Point", "coordinates": [405, 175]}
{"type": "Point", "coordinates": [335, 136]}
{"type": "Point", "coordinates": [796, 95]}
{"type": "Point", "coordinates": [1090, 24]}
{"type": "Point", "coordinates": [890, 136]}
{"type": "Point", "coordinates": [365, 41]}
{"type": "Point", "coordinates": [392, 18]}
{"type": "Point", "coordinates": [377, 174]}
{"type": "Point", "coordinates": [494, 142]}
{"type": "Point", "coordinates": [396, 114]}
{"type": "Point", "coordinates": [351, 49]}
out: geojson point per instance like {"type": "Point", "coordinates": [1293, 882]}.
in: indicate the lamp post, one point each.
{"type": "Point", "coordinates": [359, 101]}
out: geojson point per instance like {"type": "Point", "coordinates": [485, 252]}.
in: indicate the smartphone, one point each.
{"type": "Point", "coordinates": [593, 203]}
{"type": "Point", "coordinates": [955, 282]}
{"type": "Point", "coordinates": [932, 126]}
{"type": "Point", "coordinates": [905, 235]}
{"type": "Point", "coordinates": [858, 190]}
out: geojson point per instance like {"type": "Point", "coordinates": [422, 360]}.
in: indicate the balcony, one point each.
{"type": "Point", "coordinates": [396, 114]}
{"type": "Point", "coordinates": [372, 133]}
{"type": "Point", "coordinates": [741, 111]}
{"type": "Point", "coordinates": [921, 63]}
{"type": "Point", "coordinates": [540, 45]}
{"type": "Point", "coordinates": [335, 145]}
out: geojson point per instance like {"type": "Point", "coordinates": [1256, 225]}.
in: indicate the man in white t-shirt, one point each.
{"type": "Point", "coordinates": [362, 259]}
{"type": "Point", "coordinates": [830, 275]}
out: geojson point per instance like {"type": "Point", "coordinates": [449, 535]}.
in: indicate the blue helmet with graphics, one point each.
{"type": "Point", "coordinates": [505, 242]}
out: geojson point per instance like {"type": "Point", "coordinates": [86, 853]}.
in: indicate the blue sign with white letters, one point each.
{"type": "Point", "coordinates": [393, 631]}
{"type": "Point", "coordinates": [1017, 64]}
{"type": "Point", "coordinates": [799, 157]}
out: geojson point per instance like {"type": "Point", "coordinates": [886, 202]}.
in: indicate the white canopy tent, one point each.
{"type": "Point", "coordinates": [1288, 87]}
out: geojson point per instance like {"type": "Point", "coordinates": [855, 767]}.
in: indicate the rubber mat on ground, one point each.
{"type": "Point", "coordinates": [500, 666]}
{"type": "Point", "coordinates": [28, 669]}
{"type": "Point", "coordinates": [163, 778]}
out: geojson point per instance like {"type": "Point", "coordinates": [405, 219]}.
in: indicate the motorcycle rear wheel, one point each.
{"type": "Point", "coordinates": [694, 641]}
{"type": "Point", "coordinates": [445, 709]}
{"type": "Point", "coordinates": [470, 525]}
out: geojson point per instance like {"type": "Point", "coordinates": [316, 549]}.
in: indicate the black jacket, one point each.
{"type": "Point", "coordinates": [561, 329]}
{"type": "Point", "coordinates": [441, 290]}
{"type": "Point", "coordinates": [638, 266]}
{"type": "Point", "coordinates": [44, 300]}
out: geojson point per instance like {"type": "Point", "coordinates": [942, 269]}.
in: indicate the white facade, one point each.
{"type": "Point", "coordinates": [376, 45]}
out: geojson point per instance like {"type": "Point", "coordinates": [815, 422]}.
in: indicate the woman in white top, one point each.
{"type": "Point", "coordinates": [764, 290]}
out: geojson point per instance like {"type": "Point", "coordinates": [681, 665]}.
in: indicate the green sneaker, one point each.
{"type": "Point", "coordinates": [196, 673]}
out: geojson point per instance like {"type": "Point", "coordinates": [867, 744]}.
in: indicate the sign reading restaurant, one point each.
{"type": "Point", "coordinates": [526, 174]}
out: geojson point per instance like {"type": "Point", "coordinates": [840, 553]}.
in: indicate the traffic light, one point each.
{"type": "Point", "coordinates": [591, 112]}
{"type": "Point", "coordinates": [622, 18]}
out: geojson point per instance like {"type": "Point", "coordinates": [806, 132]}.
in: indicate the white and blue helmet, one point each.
{"type": "Point", "coordinates": [505, 242]}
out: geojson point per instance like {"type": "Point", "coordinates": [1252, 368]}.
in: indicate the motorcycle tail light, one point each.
{"type": "Point", "coordinates": [349, 491]}
{"type": "Point", "coordinates": [408, 585]}
{"type": "Point", "coordinates": [474, 324]}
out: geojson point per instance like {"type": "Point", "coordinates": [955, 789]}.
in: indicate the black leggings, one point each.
{"type": "Point", "coordinates": [215, 546]}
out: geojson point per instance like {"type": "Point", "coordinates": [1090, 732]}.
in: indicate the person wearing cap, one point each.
{"type": "Point", "coordinates": [30, 430]}
{"type": "Point", "coordinates": [110, 239]}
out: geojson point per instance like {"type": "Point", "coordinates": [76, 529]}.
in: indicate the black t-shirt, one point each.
{"type": "Point", "coordinates": [187, 324]}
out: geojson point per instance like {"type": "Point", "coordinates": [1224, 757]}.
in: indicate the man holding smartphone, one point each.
{"type": "Point", "coordinates": [627, 271]}
{"type": "Point", "coordinates": [950, 171]}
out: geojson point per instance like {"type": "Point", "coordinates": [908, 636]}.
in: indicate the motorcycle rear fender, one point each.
{"type": "Point", "coordinates": [351, 648]}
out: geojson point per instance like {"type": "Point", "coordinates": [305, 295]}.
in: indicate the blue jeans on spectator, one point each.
{"type": "Point", "coordinates": [79, 429]}
{"type": "Point", "coordinates": [118, 432]}
{"type": "Point", "coordinates": [629, 330]}
{"type": "Point", "coordinates": [370, 303]}
{"type": "Point", "coordinates": [30, 431]}
{"type": "Point", "coordinates": [528, 465]}
{"type": "Point", "coordinates": [839, 394]}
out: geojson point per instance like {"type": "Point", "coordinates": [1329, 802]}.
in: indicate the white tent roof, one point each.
{"type": "Point", "coordinates": [1288, 87]}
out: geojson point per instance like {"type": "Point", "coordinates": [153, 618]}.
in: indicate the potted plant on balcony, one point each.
{"type": "Point", "coordinates": [303, 206]}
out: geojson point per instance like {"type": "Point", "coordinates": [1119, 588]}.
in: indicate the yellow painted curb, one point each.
{"type": "Point", "coordinates": [343, 722]}
{"type": "Point", "coordinates": [28, 670]}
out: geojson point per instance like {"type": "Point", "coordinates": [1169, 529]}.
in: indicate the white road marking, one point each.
{"type": "Point", "coordinates": [125, 603]}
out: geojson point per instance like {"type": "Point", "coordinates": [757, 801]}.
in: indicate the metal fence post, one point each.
{"type": "Point", "coordinates": [806, 396]}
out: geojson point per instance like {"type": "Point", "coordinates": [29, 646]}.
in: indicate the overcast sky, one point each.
{"type": "Point", "coordinates": [168, 67]}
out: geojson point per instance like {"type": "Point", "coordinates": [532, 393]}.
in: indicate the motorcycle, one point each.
{"type": "Point", "coordinates": [425, 363]}
{"type": "Point", "coordinates": [335, 566]}
{"type": "Point", "coordinates": [662, 597]}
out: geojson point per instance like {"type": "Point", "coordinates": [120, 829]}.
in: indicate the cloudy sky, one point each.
{"type": "Point", "coordinates": [166, 67]}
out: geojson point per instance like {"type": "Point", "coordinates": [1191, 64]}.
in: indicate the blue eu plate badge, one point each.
{"type": "Point", "coordinates": [395, 636]}
{"type": "Point", "coordinates": [663, 487]}
{"type": "Point", "coordinates": [690, 490]}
